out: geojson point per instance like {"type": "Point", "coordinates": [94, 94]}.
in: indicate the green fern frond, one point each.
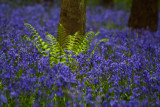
{"type": "Point", "coordinates": [84, 43]}
{"type": "Point", "coordinates": [54, 47]}
{"type": "Point", "coordinates": [71, 40]}
{"type": "Point", "coordinates": [51, 46]}
{"type": "Point", "coordinates": [104, 40]}
{"type": "Point", "coordinates": [61, 36]}
{"type": "Point", "coordinates": [38, 42]}
{"type": "Point", "coordinates": [65, 41]}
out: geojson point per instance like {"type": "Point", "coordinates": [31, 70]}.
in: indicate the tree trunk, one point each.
{"type": "Point", "coordinates": [73, 17]}
{"type": "Point", "coordinates": [107, 3]}
{"type": "Point", "coordinates": [144, 13]}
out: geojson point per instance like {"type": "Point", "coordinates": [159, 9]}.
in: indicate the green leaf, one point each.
{"type": "Point", "coordinates": [63, 60]}
{"type": "Point", "coordinates": [97, 33]}
{"type": "Point", "coordinates": [43, 43]}
{"type": "Point", "coordinates": [35, 39]}
{"type": "Point", "coordinates": [104, 40]}
{"type": "Point", "coordinates": [48, 49]}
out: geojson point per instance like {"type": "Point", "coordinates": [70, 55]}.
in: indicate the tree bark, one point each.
{"type": "Point", "coordinates": [107, 3]}
{"type": "Point", "coordinates": [144, 13]}
{"type": "Point", "coordinates": [73, 17]}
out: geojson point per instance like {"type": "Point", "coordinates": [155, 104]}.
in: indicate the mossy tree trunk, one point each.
{"type": "Point", "coordinates": [107, 3]}
{"type": "Point", "coordinates": [144, 13]}
{"type": "Point", "coordinates": [73, 17]}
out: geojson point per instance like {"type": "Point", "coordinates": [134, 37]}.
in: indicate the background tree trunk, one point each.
{"type": "Point", "coordinates": [107, 3]}
{"type": "Point", "coordinates": [144, 13]}
{"type": "Point", "coordinates": [73, 17]}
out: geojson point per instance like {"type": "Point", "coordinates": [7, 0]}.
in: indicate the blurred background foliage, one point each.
{"type": "Point", "coordinates": [127, 3]}
{"type": "Point", "coordinates": [120, 4]}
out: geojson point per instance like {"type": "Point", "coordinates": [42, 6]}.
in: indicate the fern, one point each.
{"type": "Point", "coordinates": [54, 47]}
{"type": "Point", "coordinates": [37, 41]}
{"type": "Point", "coordinates": [61, 36]}
{"type": "Point", "coordinates": [84, 43]}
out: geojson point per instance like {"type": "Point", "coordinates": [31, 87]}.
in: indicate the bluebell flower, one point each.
{"type": "Point", "coordinates": [50, 104]}
{"type": "Point", "coordinates": [113, 102]}
{"type": "Point", "coordinates": [3, 99]}
{"type": "Point", "coordinates": [14, 94]}
{"type": "Point", "coordinates": [128, 62]}
{"type": "Point", "coordinates": [157, 102]}
{"type": "Point", "coordinates": [62, 79]}
{"type": "Point", "coordinates": [106, 95]}
{"type": "Point", "coordinates": [105, 104]}
{"type": "Point", "coordinates": [68, 104]}
{"type": "Point", "coordinates": [35, 104]}
{"type": "Point", "coordinates": [88, 98]}
{"type": "Point", "coordinates": [98, 99]}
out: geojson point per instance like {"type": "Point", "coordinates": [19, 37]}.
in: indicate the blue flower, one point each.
{"type": "Point", "coordinates": [112, 103]}
{"type": "Point", "coordinates": [14, 94]}
{"type": "Point", "coordinates": [35, 104]}
{"type": "Point", "coordinates": [3, 99]}
{"type": "Point", "coordinates": [88, 98]}
{"type": "Point", "coordinates": [105, 104]}
{"type": "Point", "coordinates": [106, 95]}
{"type": "Point", "coordinates": [98, 99]}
